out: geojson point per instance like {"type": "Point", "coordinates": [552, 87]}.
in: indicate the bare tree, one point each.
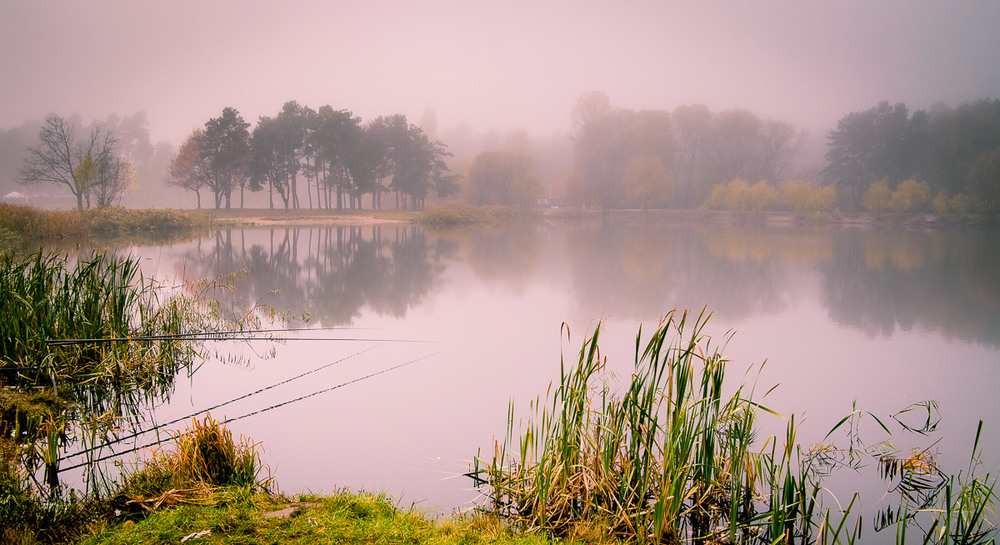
{"type": "Point", "coordinates": [61, 159]}
{"type": "Point", "coordinates": [111, 178]}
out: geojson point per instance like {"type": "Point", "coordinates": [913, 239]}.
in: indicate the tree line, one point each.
{"type": "Point", "coordinates": [641, 159]}
{"type": "Point", "coordinates": [944, 159]}
{"type": "Point", "coordinates": [339, 159]}
{"type": "Point", "coordinates": [887, 158]}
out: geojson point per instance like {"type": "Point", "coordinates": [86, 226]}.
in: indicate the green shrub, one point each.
{"type": "Point", "coordinates": [940, 204]}
{"type": "Point", "coordinates": [960, 204]}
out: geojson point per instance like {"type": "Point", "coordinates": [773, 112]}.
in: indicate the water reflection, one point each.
{"type": "Point", "coordinates": [875, 282]}
{"type": "Point", "coordinates": [329, 273]}
{"type": "Point", "coordinates": [836, 307]}
{"type": "Point", "coordinates": [649, 271]}
{"type": "Point", "coordinates": [943, 281]}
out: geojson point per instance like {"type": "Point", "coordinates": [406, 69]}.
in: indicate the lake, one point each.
{"type": "Point", "coordinates": [841, 314]}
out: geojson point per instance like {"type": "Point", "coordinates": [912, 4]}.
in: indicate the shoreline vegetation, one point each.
{"type": "Point", "coordinates": [23, 225]}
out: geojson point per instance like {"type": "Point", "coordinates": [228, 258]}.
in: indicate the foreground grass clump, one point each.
{"type": "Point", "coordinates": [28, 223]}
{"type": "Point", "coordinates": [456, 214]}
{"type": "Point", "coordinates": [204, 461]}
{"type": "Point", "coordinates": [213, 488]}
{"type": "Point", "coordinates": [672, 457]}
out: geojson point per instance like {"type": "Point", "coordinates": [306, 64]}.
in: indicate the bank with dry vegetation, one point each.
{"type": "Point", "coordinates": [457, 214]}
{"type": "Point", "coordinates": [28, 224]}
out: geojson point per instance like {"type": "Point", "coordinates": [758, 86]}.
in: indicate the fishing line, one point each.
{"type": "Point", "coordinates": [244, 396]}
{"type": "Point", "coordinates": [323, 391]}
{"type": "Point", "coordinates": [282, 404]}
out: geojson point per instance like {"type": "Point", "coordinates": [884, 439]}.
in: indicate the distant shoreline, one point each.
{"type": "Point", "coordinates": [719, 218]}
{"type": "Point", "coordinates": [306, 216]}
{"type": "Point", "coordinates": [356, 217]}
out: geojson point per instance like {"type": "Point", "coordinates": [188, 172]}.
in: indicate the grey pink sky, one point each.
{"type": "Point", "coordinates": [492, 64]}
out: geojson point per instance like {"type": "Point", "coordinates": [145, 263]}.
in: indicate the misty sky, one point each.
{"type": "Point", "coordinates": [502, 64]}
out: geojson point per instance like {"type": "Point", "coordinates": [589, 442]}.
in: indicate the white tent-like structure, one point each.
{"type": "Point", "coordinates": [15, 197]}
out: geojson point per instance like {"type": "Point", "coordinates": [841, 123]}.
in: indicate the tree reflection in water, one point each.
{"type": "Point", "coordinates": [868, 280]}
{"type": "Point", "coordinates": [940, 281]}
{"type": "Point", "coordinates": [330, 273]}
{"type": "Point", "coordinates": [497, 298]}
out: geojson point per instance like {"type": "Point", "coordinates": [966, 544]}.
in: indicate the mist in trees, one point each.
{"type": "Point", "coordinates": [655, 158]}
{"type": "Point", "coordinates": [954, 151]}
{"type": "Point", "coordinates": [504, 175]}
{"type": "Point", "coordinates": [615, 157]}
{"type": "Point", "coordinates": [114, 162]}
{"type": "Point", "coordinates": [88, 165]}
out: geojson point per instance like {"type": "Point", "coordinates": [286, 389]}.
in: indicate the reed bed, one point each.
{"type": "Point", "coordinates": [83, 391]}
{"type": "Point", "coordinates": [672, 457]}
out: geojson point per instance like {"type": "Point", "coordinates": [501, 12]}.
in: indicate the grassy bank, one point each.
{"type": "Point", "coordinates": [212, 488]}
{"type": "Point", "coordinates": [457, 215]}
{"type": "Point", "coordinates": [346, 517]}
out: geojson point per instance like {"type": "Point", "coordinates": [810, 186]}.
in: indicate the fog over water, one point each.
{"type": "Point", "coordinates": [479, 319]}
{"type": "Point", "coordinates": [506, 65]}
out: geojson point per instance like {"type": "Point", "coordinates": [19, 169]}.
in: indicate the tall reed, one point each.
{"type": "Point", "coordinates": [672, 458]}
{"type": "Point", "coordinates": [102, 387]}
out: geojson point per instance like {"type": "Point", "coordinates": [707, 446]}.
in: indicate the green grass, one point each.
{"type": "Point", "coordinates": [345, 517]}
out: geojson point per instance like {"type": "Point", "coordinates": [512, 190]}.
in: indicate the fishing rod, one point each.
{"type": "Point", "coordinates": [219, 337]}
{"type": "Point", "coordinates": [254, 413]}
{"type": "Point", "coordinates": [194, 336]}
{"type": "Point", "coordinates": [223, 404]}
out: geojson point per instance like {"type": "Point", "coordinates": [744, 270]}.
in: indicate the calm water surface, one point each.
{"type": "Point", "coordinates": [839, 314]}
